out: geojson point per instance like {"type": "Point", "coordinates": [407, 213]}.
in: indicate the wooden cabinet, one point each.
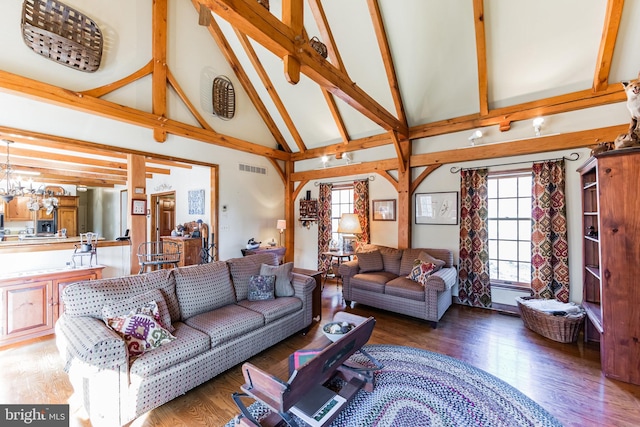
{"type": "Point", "coordinates": [18, 210]}
{"type": "Point", "coordinates": [189, 249]}
{"type": "Point", "coordinates": [611, 296]}
{"type": "Point", "coordinates": [68, 214]}
{"type": "Point", "coordinates": [30, 304]}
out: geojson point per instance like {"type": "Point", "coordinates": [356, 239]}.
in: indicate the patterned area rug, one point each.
{"type": "Point", "coordinates": [421, 388]}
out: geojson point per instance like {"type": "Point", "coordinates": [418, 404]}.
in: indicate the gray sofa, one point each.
{"type": "Point", "coordinates": [215, 326]}
{"type": "Point", "coordinates": [382, 282]}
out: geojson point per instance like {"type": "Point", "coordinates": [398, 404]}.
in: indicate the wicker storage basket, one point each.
{"type": "Point", "coordinates": [62, 34]}
{"type": "Point", "coordinates": [564, 329]}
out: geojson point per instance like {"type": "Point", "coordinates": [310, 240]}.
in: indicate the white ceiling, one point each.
{"type": "Point", "coordinates": [534, 50]}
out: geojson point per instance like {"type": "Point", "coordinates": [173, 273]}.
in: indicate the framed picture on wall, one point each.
{"type": "Point", "coordinates": [383, 210]}
{"type": "Point", "coordinates": [437, 208]}
{"type": "Point", "coordinates": [138, 207]}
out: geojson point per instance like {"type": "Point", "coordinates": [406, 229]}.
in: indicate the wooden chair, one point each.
{"type": "Point", "coordinates": [88, 247]}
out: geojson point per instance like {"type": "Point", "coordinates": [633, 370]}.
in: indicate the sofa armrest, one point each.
{"type": "Point", "coordinates": [349, 268]}
{"type": "Point", "coordinates": [89, 340]}
{"type": "Point", "coordinates": [303, 285]}
{"type": "Point", "coordinates": [442, 279]}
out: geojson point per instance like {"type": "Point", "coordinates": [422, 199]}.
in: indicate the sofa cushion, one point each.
{"type": "Point", "coordinates": [261, 288]}
{"type": "Point", "coordinates": [113, 308]}
{"type": "Point", "coordinates": [421, 271]}
{"type": "Point", "coordinates": [140, 329]}
{"type": "Point", "coordinates": [226, 323]}
{"type": "Point", "coordinates": [273, 309]}
{"type": "Point", "coordinates": [242, 269]}
{"type": "Point", "coordinates": [408, 258]}
{"type": "Point", "coordinates": [189, 342]}
{"type": "Point", "coordinates": [391, 259]}
{"type": "Point", "coordinates": [405, 288]}
{"type": "Point", "coordinates": [284, 276]}
{"type": "Point", "coordinates": [370, 261]}
{"type": "Point", "coordinates": [373, 282]}
{"type": "Point", "coordinates": [165, 280]}
{"type": "Point", "coordinates": [202, 288]}
{"type": "Point", "coordinates": [88, 297]}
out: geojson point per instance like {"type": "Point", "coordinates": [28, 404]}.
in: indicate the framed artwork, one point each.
{"type": "Point", "coordinates": [437, 208]}
{"type": "Point", "coordinates": [196, 202]}
{"type": "Point", "coordinates": [384, 210]}
{"type": "Point", "coordinates": [138, 207]}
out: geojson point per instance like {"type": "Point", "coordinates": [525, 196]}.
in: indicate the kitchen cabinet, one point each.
{"type": "Point", "coordinates": [30, 303]}
{"type": "Point", "coordinates": [68, 214]}
{"type": "Point", "coordinates": [18, 210]}
{"type": "Point", "coordinates": [189, 249]}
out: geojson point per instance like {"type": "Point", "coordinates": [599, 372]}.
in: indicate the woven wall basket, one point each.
{"type": "Point", "coordinates": [62, 34]}
{"type": "Point", "coordinates": [224, 98]}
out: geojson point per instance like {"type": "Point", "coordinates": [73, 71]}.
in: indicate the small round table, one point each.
{"type": "Point", "coordinates": [340, 256]}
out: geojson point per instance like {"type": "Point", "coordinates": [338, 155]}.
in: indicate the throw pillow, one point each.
{"type": "Point", "coordinates": [421, 271]}
{"type": "Point", "coordinates": [370, 261]}
{"type": "Point", "coordinates": [119, 307]}
{"type": "Point", "coordinates": [140, 329]}
{"type": "Point", "coordinates": [423, 256]}
{"type": "Point", "coordinates": [261, 288]}
{"type": "Point", "coordinates": [284, 275]}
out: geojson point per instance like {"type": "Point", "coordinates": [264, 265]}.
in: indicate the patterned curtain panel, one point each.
{"type": "Point", "coordinates": [361, 208]}
{"type": "Point", "coordinates": [475, 286]}
{"type": "Point", "coordinates": [549, 244]}
{"type": "Point", "coordinates": [324, 225]}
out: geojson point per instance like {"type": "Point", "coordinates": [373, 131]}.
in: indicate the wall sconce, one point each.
{"type": "Point", "coordinates": [475, 136]}
{"type": "Point", "coordinates": [281, 225]}
{"type": "Point", "coordinates": [537, 125]}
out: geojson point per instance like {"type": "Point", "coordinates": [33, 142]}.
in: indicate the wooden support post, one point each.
{"type": "Point", "coordinates": [404, 198]}
{"type": "Point", "coordinates": [159, 79]}
{"type": "Point", "coordinates": [137, 223]}
{"type": "Point", "coordinates": [292, 16]}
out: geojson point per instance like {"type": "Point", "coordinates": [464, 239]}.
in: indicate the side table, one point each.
{"type": "Point", "coordinates": [316, 296]}
{"type": "Point", "coordinates": [340, 256]}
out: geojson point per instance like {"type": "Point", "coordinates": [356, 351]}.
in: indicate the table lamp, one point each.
{"type": "Point", "coordinates": [349, 226]}
{"type": "Point", "coordinates": [281, 225]}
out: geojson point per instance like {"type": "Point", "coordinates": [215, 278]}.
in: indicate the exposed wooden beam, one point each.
{"type": "Point", "coordinates": [292, 17]}
{"type": "Point", "coordinates": [423, 175]}
{"type": "Point", "coordinates": [481, 53]}
{"type": "Point", "coordinates": [108, 88]}
{"type": "Point", "coordinates": [565, 141]}
{"type": "Point", "coordinates": [607, 44]}
{"type": "Point", "coordinates": [44, 92]}
{"type": "Point", "coordinates": [183, 96]}
{"type": "Point", "coordinates": [402, 161]}
{"type": "Point", "coordinates": [159, 77]}
{"type": "Point", "coordinates": [362, 168]}
{"type": "Point", "coordinates": [273, 94]}
{"type": "Point", "coordinates": [232, 59]}
{"type": "Point", "coordinates": [254, 21]}
{"type": "Point", "coordinates": [387, 59]}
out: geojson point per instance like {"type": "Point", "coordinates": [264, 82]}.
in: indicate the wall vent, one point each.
{"type": "Point", "coordinates": [252, 169]}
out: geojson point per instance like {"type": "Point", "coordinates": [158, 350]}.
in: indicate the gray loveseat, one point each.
{"type": "Point", "coordinates": [215, 326]}
{"type": "Point", "coordinates": [378, 279]}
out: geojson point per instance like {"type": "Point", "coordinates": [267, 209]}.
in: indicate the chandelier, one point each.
{"type": "Point", "coordinates": [10, 189]}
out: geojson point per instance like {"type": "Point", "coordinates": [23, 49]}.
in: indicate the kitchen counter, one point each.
{"type": "Point", "coordinates": [35, 244]}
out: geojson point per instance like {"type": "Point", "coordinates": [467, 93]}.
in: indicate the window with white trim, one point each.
{"type": "Point", "coordinates": [509, 214]}
{"type": "Point", "coordinates": [341, 203]}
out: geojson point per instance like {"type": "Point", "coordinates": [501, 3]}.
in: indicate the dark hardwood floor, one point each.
{"type": "Point", "coordinates": [565, 379]}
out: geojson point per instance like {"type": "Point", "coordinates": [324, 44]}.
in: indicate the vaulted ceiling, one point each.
{"type": "Point", "coordinates": [395, 70]}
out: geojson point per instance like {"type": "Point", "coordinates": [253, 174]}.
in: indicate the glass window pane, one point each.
{"type": "Point", "coordinates": [493, 208]}
{"type": "Point", "coordinates": [493, 229]}
{"type": "Point", "coordinates": [524, 230]}
{"type": "Point", "coordinates": [508, 250]}
{"type": "Point", "coordinates": [524, 207]}
{"type": "Point", "coordinates": [508, 270]}
{"type": "Point", "coordinates": [524, 186]}
{"type": "Point", "coordinates": [524, 253]}
{"type": "Point", "coordinates": [493, 268]}
{"type": "Point", "coordinates": [525, 272]}
{"type": "Point", "coordinates": [508, 187]}
{"type": "Point", "coordinates": [493, 249]}
{"type": "Point", "coordinates": [507, 208]}
{"type": "Point", "coordinates": [493, 188]}
{"type": "Point", "coordinates": [508, 230]}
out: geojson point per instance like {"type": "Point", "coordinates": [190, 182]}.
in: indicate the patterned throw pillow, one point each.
{"type": "Point", "coordinates": [261, 288]}
{"type": "Point", "coordinates": [421, 271]}
{"type": "Point", "coordinates": [141, 329]}
{"type": "Point", "coordinates": [423, 256]}
{"type": "Point", "coordinates": [284, 275]}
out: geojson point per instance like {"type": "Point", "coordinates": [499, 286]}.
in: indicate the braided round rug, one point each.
{"type": "Point", "coordinates": [421, 388]}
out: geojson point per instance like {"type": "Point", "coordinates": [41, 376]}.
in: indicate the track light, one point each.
{"type": "Point", "coordinates": [537, 125]}
{"type": "Point", "coordinates": [475, 136]}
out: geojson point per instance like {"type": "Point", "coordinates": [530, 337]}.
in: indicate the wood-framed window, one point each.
{"type": "Point", "coordinates": [341, 203]}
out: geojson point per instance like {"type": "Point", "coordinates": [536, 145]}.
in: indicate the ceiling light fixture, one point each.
{"type": "Point", "coordinates": [475, 136]}
{"type": "Point", "coordinates": [324, 160]}
{"type": "Point", "coordinates": [537, 125]}
{"type": "Point", "coordinates": [11, 190]}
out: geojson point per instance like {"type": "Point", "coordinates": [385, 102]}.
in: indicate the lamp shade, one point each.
{"type": "Point", "coordinates": [350, 224]}
{"type": "Point", "coordinates": [281, 224]}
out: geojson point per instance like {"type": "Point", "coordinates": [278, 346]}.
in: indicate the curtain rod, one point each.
{"type": "Point", "coordinates": [370, 178]}
{"type": "Point", "coordinates": [572, 158]}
